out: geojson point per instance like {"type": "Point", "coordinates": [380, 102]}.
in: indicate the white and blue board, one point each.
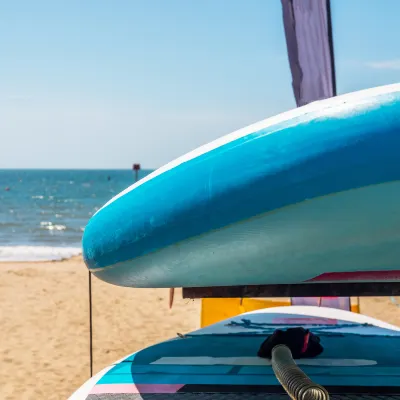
{"type": "Point", "coordinates": [361, 355]}
{"type": "Point", "coordinates": [311, 191]}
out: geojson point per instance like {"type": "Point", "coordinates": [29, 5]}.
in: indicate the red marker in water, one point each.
{"type": "Point", "coordinates": [136, 168]}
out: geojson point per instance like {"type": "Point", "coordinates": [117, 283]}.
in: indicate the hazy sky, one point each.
{"type": "Point", "coordinates": [105, 83]}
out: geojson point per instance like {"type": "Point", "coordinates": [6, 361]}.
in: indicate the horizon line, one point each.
{"type": "Point", "coordinates": [73, 169]}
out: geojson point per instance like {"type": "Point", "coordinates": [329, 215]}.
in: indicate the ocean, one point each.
{"type": "Point", "coordinates": [43, 212]}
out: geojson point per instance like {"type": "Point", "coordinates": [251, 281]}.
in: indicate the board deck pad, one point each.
{"type": "Point", "coordinates": [143, 373]}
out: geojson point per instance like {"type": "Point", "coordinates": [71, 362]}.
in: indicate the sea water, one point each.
{"type": "Point", "coordinates": [43, 212]}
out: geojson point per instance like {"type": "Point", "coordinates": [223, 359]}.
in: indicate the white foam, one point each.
{"type": "Point", "coordinates": [51, 227]}
{"type": "Point", "coordinates": [37, 253]}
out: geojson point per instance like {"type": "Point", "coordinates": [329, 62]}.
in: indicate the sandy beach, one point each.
{"type": "Point", "coordinates": [44, 336]}
{"type": "Point", "coordinates": [44, 343]}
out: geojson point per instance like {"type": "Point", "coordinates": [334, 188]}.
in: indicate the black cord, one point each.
{"type": "Point", "coordinates": [90, 325]}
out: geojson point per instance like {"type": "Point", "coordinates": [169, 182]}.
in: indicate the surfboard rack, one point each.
{"type": "Point", "coordinates": [297, 290]}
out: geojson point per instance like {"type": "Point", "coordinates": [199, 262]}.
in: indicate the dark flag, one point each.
{"type": "Point", "coordinates": [308, 32]}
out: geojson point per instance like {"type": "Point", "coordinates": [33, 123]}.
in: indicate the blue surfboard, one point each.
{"type": "Point", "coordinates": [361, 356]}
{"type": "Point", "coordinates": [310, 194]}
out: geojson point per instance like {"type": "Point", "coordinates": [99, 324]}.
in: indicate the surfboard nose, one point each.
{"type": "Point", "coordinates": [91, 247]}
{"type": "Point", "coordinates": [101, 238]}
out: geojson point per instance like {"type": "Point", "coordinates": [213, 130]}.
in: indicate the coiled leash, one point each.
{"type": "Point", "coordinates": [282, 347]}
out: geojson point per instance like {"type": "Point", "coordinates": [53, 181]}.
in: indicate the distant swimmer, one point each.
{"type": "Point", "coordinates": [7, 188]}
{"type": "Point", "coordinates": [109, 178]}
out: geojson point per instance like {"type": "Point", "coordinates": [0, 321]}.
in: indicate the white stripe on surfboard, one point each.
{"type": "Point", "coordinates": [257, 361]}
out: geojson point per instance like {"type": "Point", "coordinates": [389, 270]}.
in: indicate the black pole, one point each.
{"type": "Point", "coordinates": [330, 39]}
{"type": "Point", "coordinates": [90, 325]}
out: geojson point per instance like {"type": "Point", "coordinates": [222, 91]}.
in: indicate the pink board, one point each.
{"type": "Point", "coordinates": [341, 303]}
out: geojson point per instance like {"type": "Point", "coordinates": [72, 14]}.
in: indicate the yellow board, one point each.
{"type": "Point", "coordinates": [355, 305]}
{"type": "Point", "coordinates": [215, 310]}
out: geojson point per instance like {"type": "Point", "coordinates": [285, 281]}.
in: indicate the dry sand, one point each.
{"type": "Point", "coordinates": [44, 344]}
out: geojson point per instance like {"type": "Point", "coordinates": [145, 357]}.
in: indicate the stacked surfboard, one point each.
{"type": "Point", "coordinates": [361, 356]}
{"type": "Point", "coordinates": [311, 194]}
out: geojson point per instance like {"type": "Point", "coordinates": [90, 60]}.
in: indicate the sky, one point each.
{"type": "Point", "coordinates": [104, 84]}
